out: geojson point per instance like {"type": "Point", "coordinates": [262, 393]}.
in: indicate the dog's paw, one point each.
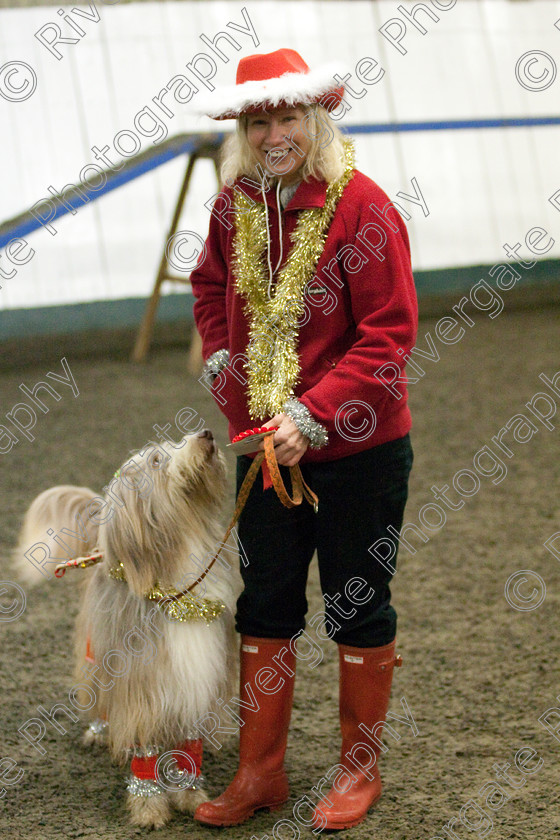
{"type": "Point", "coordinates": [188, 800]}
{"type": "Point", "coordinates": [149, 811]}
{"type": "Point", "coordinates": [96, 733]}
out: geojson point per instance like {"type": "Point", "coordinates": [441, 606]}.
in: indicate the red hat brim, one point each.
{"type": "Point", "coordinates": [285, 91]}
{"type": "Point", "coordinates": [329, 100]}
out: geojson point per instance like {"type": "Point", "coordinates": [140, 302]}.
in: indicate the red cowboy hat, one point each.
{"type": "Point", "coordinates": [274, 80]}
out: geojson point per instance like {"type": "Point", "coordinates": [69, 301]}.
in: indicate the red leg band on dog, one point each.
{"type": "Point", "coordinates": [144, 768]}
{"type": "Point", "coordinates": [193, 750]}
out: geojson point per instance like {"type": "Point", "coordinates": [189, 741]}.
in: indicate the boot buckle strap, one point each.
{"type": "Point", "coordinates": [395, 663]}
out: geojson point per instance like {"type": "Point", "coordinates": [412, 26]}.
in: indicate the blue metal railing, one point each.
{"type": "Point", "coordinates": [134, 168]}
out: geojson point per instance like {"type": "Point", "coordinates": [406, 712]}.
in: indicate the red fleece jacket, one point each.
{"type": "Point", "coordinates": [352, 374]}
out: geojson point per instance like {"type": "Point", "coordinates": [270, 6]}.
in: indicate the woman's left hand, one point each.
{"type": "Point", "coordinates": [289, 443]}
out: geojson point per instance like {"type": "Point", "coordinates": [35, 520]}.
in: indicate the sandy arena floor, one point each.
{"type": "Point", "coordinates": [480, 670]}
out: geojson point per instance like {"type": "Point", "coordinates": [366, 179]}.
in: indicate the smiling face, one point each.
{"type": "Point", "coordinates": [279, 141]}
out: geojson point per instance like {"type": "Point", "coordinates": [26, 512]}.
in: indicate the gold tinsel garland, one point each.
{"type": "Point", "coordinates": [273, 364]}
{"type": "Point", "coordinates": [186, 608]}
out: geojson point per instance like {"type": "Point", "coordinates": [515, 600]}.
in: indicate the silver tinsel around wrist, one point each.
{"type": "Point", "coordinates": [300, 414]}
{"type": "Point", "coordinates": [216, 362]}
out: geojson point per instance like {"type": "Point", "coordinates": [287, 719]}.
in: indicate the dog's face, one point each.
{"type": "Point", "coordinates": [166, 500]}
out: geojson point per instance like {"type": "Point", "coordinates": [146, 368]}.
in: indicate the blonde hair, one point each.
{"type": "Point", "coordinates": [324, 161]}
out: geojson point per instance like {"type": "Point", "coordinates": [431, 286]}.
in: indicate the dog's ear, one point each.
{"type": "Point", "coordinates": [128, 536]}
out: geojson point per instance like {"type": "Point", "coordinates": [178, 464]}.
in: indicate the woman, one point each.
{"type": "Point", "coordinates": [306, 306]}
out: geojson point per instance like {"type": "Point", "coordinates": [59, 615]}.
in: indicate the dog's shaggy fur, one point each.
{"type": "Point", "coordinates": [153, 676]}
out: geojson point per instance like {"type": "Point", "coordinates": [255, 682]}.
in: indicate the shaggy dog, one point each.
{"type": "Point", "coordinates": [151, 658]}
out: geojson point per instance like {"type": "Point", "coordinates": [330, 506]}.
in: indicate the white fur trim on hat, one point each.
{"type": "Point", "coordinates": [291, 88]}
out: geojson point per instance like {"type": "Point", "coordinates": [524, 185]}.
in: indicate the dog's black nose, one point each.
{"type": "Point", "coordinates": [206, 433]}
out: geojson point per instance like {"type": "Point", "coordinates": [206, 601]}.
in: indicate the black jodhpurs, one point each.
{"type": "Point", "coordinates": [359, 497]}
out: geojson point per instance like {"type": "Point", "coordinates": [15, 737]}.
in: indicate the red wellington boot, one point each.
{"type": "Point", "coordinates": [260, 781]}
{"type": "Point", "coordinates": [365, 687]}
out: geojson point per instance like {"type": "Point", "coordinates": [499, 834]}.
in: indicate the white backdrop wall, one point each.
{"type": "Point", "coordinates": [483, 188]}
